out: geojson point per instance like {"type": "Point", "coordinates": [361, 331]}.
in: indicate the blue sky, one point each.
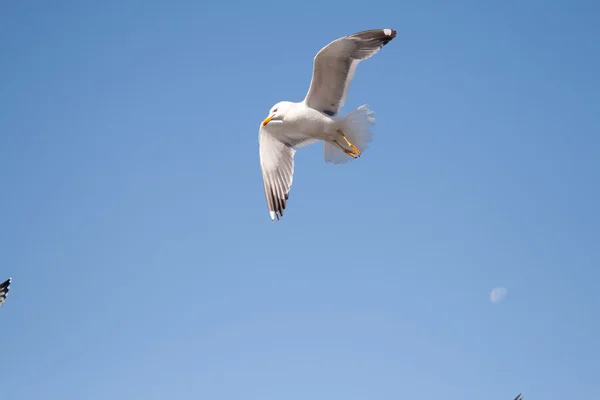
{"type": "Point", "coordinates": [144, 262]}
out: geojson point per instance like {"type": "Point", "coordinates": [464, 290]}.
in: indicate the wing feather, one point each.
{"type": "Point", "coordinates": [277, 165]}
{"type": "Point", "coordinates": [4, 288]}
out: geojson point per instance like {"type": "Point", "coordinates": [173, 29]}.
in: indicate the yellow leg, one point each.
{"type": "Point", "coordinates": [345, 150]}
{"type": "Point", "coordinates": [353, 147]}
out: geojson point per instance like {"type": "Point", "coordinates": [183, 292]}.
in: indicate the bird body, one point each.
{"type": "Point", "coordinates": [301, 123]}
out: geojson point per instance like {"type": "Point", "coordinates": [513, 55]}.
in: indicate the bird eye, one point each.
{"type": "Point", "coordinates": [274, 111]}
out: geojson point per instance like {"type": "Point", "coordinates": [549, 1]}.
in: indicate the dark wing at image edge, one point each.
{"type": "Point", "coordinates": [4, 288]}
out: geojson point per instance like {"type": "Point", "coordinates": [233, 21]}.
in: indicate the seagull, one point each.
{"type": "Point", "coordinates": [4, 288]}
{"type": "Point", "coordinates": [291, 126]}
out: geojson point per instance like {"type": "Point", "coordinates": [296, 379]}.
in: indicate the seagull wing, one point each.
{"type": "Point", "coordinates": [277, 165]}
{"type": "Point", "coordinates": [335, 64]}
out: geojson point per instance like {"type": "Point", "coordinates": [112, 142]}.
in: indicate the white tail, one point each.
{"type": "Point", "coordinates": [357, 129]}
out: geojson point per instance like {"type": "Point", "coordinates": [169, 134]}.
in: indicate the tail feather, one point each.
{"type": "Point", "coordinates": [356, 126]}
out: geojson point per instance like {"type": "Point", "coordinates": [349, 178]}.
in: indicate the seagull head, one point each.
{"type": "Point", "coordinates": [277, 112]}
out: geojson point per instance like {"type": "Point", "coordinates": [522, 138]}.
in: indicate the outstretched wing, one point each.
{"type": "Point", "coordinates": [4, 288]}
{"type": "Point", "coordinates": [335, 64]}
{"type": "Point", "coordinates": [277, 165]}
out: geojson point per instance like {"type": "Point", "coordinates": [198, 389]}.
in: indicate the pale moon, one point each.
{"type": "Point", "coordinates": [497, 295]}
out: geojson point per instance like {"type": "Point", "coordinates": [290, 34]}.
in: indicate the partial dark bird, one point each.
{"type": "Point", "coordinates": [4, 288]}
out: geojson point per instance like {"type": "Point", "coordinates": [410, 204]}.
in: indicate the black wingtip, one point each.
{"type": "Point", "coordinates": [389, 35]}
{"type": "Point", "coordinates": [381, 36]}
{"type": "Point", "coordinates": [4, 289]}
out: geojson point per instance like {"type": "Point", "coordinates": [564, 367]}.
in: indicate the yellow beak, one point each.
{"type": "Point", "coordinates": [267, 120]}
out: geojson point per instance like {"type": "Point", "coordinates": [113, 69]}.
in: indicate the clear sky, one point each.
{"type": "Point", "coordinates": [144, 261]}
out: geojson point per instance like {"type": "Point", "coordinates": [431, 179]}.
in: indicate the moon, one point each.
{"type": "Point", "coordinates": [497, 294]}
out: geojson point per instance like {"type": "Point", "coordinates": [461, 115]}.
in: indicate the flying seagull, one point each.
{"type": "Point", "coordinates": [291, 126]}
{"type": "Point", "coordinates": [4, 288]}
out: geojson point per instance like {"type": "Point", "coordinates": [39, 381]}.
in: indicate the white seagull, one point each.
{"type": "Point", "coordinates": [291, 126]}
